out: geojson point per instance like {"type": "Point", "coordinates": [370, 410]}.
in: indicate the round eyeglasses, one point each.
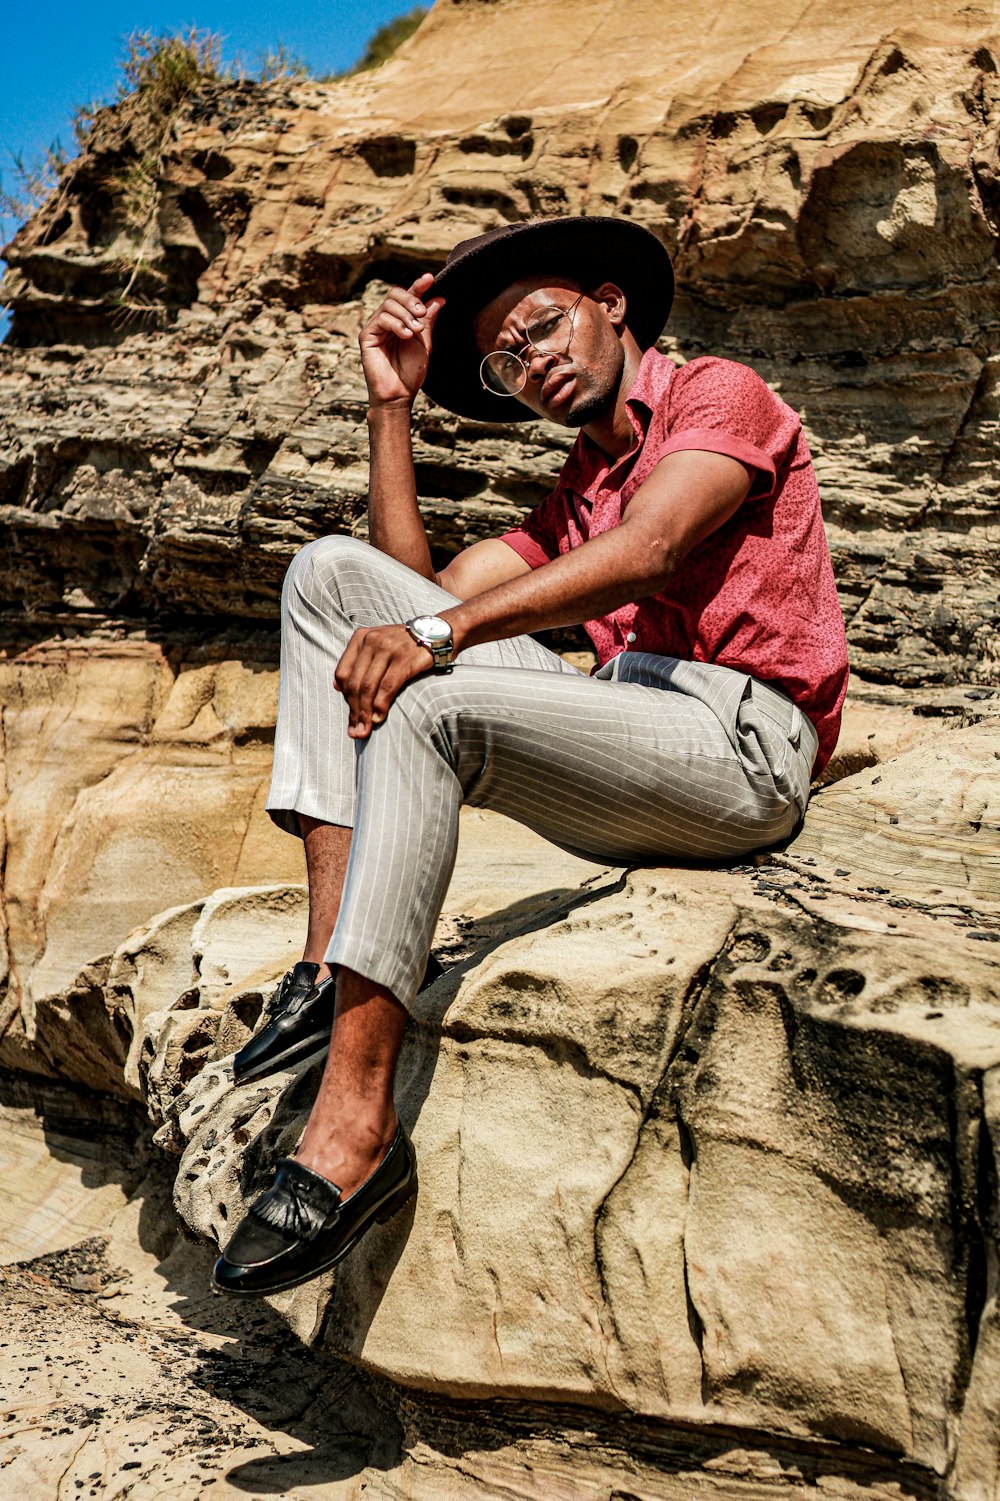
{"type": "Point", "coordinates": [505, 373]}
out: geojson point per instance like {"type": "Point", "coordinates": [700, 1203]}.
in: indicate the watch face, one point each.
{"type": "Point", "coordinates": [432, 627]}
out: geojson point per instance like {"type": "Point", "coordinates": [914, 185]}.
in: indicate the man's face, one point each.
{"type": "Point", "coordinates": [577, 382]}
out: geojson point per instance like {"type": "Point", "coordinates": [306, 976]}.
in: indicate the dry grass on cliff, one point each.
{"type": "Point", "coordinates": [385, 41]}
{"type": "Point", "coordinates": [159, 73]}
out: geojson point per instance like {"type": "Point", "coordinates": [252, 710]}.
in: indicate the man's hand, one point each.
{"type": "Point", "coordinates": [396, 344]}
{"type": "Point", "coordinates": [378, 661]}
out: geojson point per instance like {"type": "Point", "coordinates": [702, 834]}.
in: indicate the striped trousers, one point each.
{"type": "Point", "coordinates": [650, 759]}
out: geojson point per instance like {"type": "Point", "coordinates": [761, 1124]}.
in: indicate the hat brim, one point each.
{"type": "Point", "coordinates": [585, 249]}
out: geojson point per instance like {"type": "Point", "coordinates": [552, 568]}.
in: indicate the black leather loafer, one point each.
{"type": "Point", "coordinates": [301, 1226]}
{"type": "Point", "coordinates": [300, 1020]}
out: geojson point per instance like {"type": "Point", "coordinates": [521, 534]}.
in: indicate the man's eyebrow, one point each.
{"type": "Point", "coordinates": [521, 340]}
{"type": "Point", "coordinates": [541, 308]}
{"type": "Point", "coordinates": [523, 325]}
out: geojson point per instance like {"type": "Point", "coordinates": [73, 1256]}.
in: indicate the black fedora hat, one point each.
{"type": "Point", "coordinates": [586, 249]}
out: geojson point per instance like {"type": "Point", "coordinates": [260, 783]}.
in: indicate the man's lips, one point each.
{"type": "Point", "coordinates": [557, 387]}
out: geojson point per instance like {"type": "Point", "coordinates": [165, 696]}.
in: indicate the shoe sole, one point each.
{"type": "Point", "coordinates": [389, 1209]}
{"type": "Point", "coordinates": [284, 1060]}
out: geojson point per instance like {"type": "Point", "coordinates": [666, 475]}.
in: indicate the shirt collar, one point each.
{"type": "Point", "coordinates": [587, 465]}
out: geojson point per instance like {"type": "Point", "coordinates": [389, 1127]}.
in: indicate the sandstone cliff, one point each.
{"type": "Point", "coordinates": [828, 187]}
{"type": "Point", "coordinates": [708, 1161]}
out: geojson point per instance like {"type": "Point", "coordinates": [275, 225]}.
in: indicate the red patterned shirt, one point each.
{"type": "Point", "coordinates": [757, 594]}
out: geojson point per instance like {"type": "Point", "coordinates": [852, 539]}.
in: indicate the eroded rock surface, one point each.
{"type": "Point", "coordinates": [708, 1160]}
{"type": "Point", "coordinates": [712, 1148]}
{"type": "Point", "coordinates": [826, 182]}
{"type": "Point", "coordinates": [141, 1022]}
{"type": "Point", "coordinates": [133, 779]}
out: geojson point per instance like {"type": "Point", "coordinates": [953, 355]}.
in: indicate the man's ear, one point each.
{"type": "Point", "coordinates": [612, 299]}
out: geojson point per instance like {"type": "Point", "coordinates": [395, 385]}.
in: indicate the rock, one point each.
{"type": "Point", "coordinates": [696, 1148]}
{"type": "Point", "coordinates": [164, 457]}
{"type": "Point", "coordinates": [710, 1150]}
{"type": "Point", "coordinates": [130, 778]}
{"type": "Point", "coordinates": [169, 1390]}
{"type": "Point", "coordinates": [132, 782]}
{"type": "Point", "coordinates": [926, 824]}
{"type": "Point", "coordinates": [708, 1159]}
{"type": "Point", "coordinates": [880, 722]}
{"type": "Point", "coordinates": [188, 986]}
{"type": "Point", "coordinates": [122, 1374]}
{"type": "Point", "coordinates": [67, 1181]}
{"type": "Point", "coordinates": [234, 945]}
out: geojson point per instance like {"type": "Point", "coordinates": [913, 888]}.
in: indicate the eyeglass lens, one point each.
{"type": "Point", "coordinates": [503, 373]}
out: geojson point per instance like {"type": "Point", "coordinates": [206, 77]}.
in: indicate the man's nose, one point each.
{"type": "Point", "coordinates": [539, 363]}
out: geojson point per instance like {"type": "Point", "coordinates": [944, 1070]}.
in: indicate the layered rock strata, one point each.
{"type": "Point", "coordinates": [708, 1172]}
{"type": "Point", "coordinates": [827, 187]}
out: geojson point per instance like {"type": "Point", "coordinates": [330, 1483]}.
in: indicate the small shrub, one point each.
{"type": "Point", "coordinates": [385, 42]}
{"type": "Point", "coordinates": [279, 63]}
{"type": "Point", "coordinates": [160, 71]}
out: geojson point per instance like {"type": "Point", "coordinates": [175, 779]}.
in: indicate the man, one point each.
{"type": "Point", "coordinates": [685, 533]}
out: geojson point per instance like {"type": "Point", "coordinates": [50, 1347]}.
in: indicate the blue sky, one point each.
{"type": "Point", "coordinates": [62, 54]}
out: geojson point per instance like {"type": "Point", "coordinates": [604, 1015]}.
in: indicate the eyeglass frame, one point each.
{"type": "Point", "coordinates": [565, 312]}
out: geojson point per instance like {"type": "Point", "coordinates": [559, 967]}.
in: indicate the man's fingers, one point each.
{"type": "Point", "coordinates": [398, 326]}
{"type": "Point", "coordinates": [358, 676]}
{"type": "Point", "coordinates": [377, 662]}
{"type": "Point", "coordinates": [400, 305]}
{"type": "Point", "coordinates": [342, 671]}
{"type": "Point", "coordinates": [363, 691]}
{"type": "Point", "coordinates": [410, 309]}
{"type": "Point", "coordinates": [433, 308]}
{"type": "Point", "coordinates": [354, 685]}
{"type": "Point", "coordinates": [393, 319]}
{"type": "Point", "coordinates": [415, 306]}
{"type": "Point", "coordinates": [393, 678]}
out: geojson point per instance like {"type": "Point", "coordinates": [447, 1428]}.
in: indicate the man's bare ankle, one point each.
{"type": "Point", "coordinates": [364, 1130]}
{"type": "Point", "coordinates": [347, 1156]}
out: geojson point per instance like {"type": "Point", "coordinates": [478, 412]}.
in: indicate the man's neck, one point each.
{"type": "Point", "coordinates": [613, 432]}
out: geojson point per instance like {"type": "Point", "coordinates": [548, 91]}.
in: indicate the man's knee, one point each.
{"type": "Point", "coordinates": [315, 567]}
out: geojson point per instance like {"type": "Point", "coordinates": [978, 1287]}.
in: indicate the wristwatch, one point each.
{"type": "Point", "coordinates": [436, 634]}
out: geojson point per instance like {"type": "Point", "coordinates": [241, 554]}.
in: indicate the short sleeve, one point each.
{"type": "Point", "coordinates": [536, 540]}
{"type": "Point", "coordinates": [719, 406]}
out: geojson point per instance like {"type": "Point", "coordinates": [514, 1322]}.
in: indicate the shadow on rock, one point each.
{"type": "Point", "coordinates": [230, 1138]}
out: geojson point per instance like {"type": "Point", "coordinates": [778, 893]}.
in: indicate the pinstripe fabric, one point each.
{"type": "Point", "coordinates": [650, 759]}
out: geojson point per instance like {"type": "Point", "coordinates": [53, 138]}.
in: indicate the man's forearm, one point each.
{"type": "Point", "coordinates": [395, 525]}
{"type": "Point", "coordinates": [613, 569]}
{"type": "Point", "coordinates": [688, 495]}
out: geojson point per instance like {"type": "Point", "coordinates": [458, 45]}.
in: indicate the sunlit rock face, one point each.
{"type": "Point", "coordinates": [713, 1148]}
{"type": "Point", "coordinates": [711, 1154]}
{"type": "Point", "coordinates": [827, 185]}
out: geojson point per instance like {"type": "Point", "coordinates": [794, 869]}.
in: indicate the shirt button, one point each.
{"type": "Point", "coordinates": [630, 637]}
